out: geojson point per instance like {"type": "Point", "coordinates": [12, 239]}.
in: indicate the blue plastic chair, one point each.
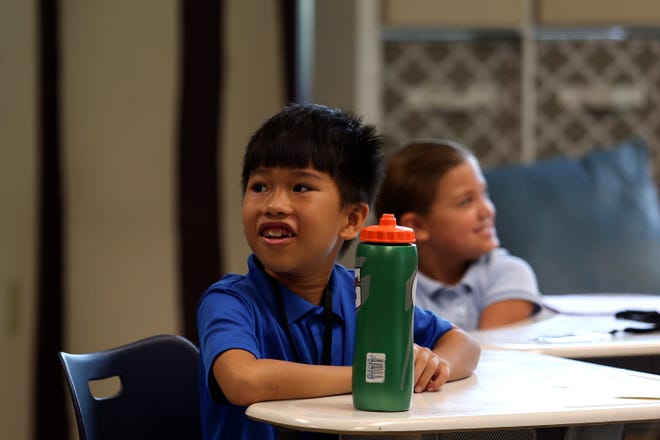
{"type": "Point", "coordinates": [157, 395]}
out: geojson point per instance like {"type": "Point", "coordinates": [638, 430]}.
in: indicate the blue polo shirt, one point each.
{"type": "Point", "coordinates": [496, 276]}
{"type": "Point", "coordinates": [241, 311]}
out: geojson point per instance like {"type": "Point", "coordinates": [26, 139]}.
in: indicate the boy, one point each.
{"type": "Point", "coordinates": [437, 188]}
{"type": "Point", "coordinates": [310, 174]}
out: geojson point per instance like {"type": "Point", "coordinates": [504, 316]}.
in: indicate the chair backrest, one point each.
{"type": "Point", "coordinates": [585, 224]}
{"type": "Point", "coordinates": [157, 395]}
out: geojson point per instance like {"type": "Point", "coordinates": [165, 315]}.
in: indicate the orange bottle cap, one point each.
{"type": "Point", "coordinates": [387, 231]}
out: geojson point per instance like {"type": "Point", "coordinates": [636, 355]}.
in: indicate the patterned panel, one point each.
{"type": "Point", "coordinates": [593, 89]}
{"type": "Point", "coordinates": [467, 90]}
{"type": "Point", "coordinates": [619, 83]}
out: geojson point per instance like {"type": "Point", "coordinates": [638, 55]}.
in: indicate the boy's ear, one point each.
{"type": "Point", "coordinates": [357, 217]}
{"type": "Point", "coordinates": [414, 221]}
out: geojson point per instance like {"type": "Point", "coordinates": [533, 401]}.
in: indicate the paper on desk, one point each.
{"type": "Point", "coordinates": [649, 392]}
{"type": "Point", "coordinates": [569, 338]}
{"type": "Point", "coordinates": [567, 329]}
{"type": "Point", "coordinates": [612, 383]}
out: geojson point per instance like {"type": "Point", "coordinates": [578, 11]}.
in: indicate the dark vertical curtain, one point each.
{"type": "Point", "coordinates": [50, 415]}
{"type": "Point", "coordinates": [199, 205]}
{"type": "Point", "coordinates": [288, 12]}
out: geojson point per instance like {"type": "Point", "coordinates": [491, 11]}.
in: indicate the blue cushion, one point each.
{"type": "Point", "coordinates": [587, 224]}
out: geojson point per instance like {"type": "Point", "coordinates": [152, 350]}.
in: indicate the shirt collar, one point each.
{"type": "Point", "coordinates": [428, 284]}
{"type": "Point", "coordinates": [434, 286]}
{"type": "Point", "coordinates": [295, 306]}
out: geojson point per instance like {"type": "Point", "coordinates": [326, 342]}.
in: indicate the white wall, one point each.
{"type": "Point", "coordinates": [18, 202]}
{"type": "Point", "coordinates": [119, 82]}
{"type": "Point", "coordinates": [252, 92]}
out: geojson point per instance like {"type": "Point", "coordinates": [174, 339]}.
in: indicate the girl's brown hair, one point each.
{"type": "Point", "coordinates": [413, 173]}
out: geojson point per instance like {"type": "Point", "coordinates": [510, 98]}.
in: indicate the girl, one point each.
{"type": "Point", "coordinates": [437, 188]}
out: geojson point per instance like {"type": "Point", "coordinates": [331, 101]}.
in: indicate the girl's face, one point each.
{"type": "Point", "coordinates": [461, 221]}
{"type": "Point", "coordinates": [294, 222]}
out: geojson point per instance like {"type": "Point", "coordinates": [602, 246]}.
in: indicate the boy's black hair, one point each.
{"type": "Point", "coordinates": [327, 139]}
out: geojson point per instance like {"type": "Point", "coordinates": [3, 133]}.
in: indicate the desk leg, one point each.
{"type": "Point", "coordinates": [558, 433]}
{"type": "Point", "coordinates": [596, 432]}
{"type": "Point", "coordinates": [290, 434]}
{"type": "Point", "coordinates": [586, 432]}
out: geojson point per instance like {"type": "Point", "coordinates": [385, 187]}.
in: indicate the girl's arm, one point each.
{"type": "Point", "coordinates": [505, 312]}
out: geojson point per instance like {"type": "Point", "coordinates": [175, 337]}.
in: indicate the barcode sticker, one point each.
{"type": "Point", "coordinates": [375, 371]}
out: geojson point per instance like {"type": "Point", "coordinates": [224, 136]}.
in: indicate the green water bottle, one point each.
{"type": "Point", "coordinates": [385, 278]}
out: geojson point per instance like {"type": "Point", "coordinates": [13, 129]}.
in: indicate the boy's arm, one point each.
{"type": "Point", "coordinates": [245, 379]}
{"type": "Point", "coordinates": [460, 350]}
{"type": "Point", "coordinates": [454, 356]}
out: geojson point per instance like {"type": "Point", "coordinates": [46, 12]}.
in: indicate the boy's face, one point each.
{"type": "Point", "coordinates": [461, 221]}
{"type": "Point", "coordinates": [294, 222]}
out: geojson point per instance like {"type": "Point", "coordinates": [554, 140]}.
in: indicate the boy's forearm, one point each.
{"type": "Point", "coordinates": [292, 380]}
{"type": "Point", "coordinates": [268, 379]}
{"type": "Point", "coordinates": [460, 350]}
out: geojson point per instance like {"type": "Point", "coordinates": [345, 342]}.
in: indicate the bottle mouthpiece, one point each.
{"type": "Point", "coordinates": [387, 231]}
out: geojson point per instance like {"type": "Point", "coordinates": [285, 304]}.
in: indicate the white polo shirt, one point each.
{"type": "Point", "coordinates": [494, 277]}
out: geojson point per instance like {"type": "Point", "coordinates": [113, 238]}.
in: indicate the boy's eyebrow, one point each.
{"type": "Point", "coordinates": [307, 172]}
{"type": "Point", "coordinates": [298, 172]}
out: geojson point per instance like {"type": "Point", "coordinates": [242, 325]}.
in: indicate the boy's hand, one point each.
{"type": "Point", "coordinates": [430, 370]}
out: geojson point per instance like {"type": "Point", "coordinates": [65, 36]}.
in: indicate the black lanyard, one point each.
{"type": "Point", "coordinates": [327, 317]}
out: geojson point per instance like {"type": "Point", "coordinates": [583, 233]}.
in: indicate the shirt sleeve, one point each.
{"type": "Point", "coordinates": [510, 278]}
{"type": "Point", "coordinates": [224, 322]}
{"type": "Point", "coordinates": [428, 327]}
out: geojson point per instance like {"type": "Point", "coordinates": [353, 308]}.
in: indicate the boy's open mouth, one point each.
{"type": "Point", "coordinates": [276, 232]}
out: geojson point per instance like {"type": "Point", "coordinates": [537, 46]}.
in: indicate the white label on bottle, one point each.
{"type": "Point", "coordinates": [375, 371]}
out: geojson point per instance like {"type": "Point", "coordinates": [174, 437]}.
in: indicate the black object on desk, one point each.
{"type": "Point", "coordinates": [645, 316]}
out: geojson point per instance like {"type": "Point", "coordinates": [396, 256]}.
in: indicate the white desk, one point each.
{"type": "Point", "coordinates": [509, 389]}
{"type": "Point", "coordinates": [603, 302]}
{"type": "Point", "coordinates": [569, 334]}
